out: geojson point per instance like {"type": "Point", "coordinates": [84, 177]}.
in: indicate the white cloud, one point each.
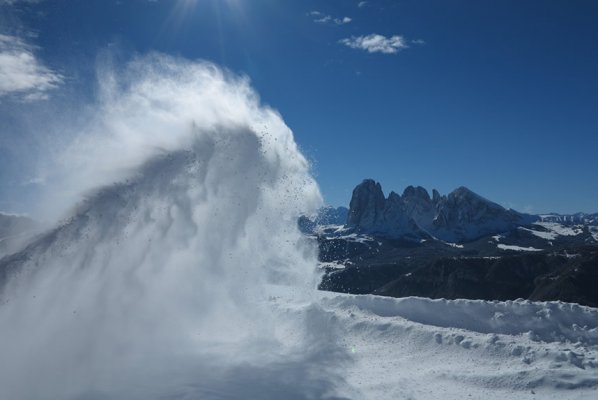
{"type": "Point", "coordinates": [324, 19]}
{"type": "Point", "coordinates": [362, 4]}
{"type": "Point", "coordinates": [375, 43]}
{"type": "Point", "coordinates": [22, 73]}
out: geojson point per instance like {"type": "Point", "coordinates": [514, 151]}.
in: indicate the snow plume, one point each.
{"type": "Point", "coordinates": [158, 105]}
{"type": "Point", "coordinates": [159, 283]}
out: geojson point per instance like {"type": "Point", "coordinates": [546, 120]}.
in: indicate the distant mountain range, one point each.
{"type": "Point", "coordinates": [459, 245]}
{"type": "Point", "coordinates": [461, 216]}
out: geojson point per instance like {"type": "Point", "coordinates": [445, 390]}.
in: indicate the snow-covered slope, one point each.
{"type": "Point", "coordinates": [416, 348]}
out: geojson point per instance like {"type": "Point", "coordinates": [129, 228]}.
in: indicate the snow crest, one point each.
{"type": "Point", "coordinates": [541, 321]}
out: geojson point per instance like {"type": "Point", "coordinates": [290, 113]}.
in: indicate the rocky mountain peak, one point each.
{"type": "Point", "coordinates": [435, 196]}
{"type": "Point", "coordinates": [463, 192]}
{"type": "Point", "coordinates": [416, 192]}
{"type": "Point", "coordinates": [394, 197]}
{"type": "Point", "coordinates": [462, 215]}
{"type": "Point", "coordinates": [367, 204]}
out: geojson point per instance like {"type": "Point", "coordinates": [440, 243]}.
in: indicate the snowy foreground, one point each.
{"type": "Point", "coordinates": [416, 348]}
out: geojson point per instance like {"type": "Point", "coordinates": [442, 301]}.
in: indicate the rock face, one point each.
{"type": "Point", "coordinates": [460, 216]}
{"type": "Point", "coordinates": [367, 205]}
{"type": "Point", "coordinates": [464, 215]}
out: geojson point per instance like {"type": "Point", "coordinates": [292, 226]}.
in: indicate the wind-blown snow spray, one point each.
{"type": "Point", "coordinates": [156, 285]}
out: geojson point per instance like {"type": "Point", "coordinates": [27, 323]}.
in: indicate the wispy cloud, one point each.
{"type": "Point", "coordinates": [362, 4]}
{"type": "Point", "coordinates": [22, 73]}
{"type": "Point", "coordinates": [374, 43]}
{"type": "Point", "coordinates": [322, 18]}
{"type": "Point", "coordinates": [341, 21]}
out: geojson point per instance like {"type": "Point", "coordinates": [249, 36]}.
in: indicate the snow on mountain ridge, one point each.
{"type": "Point", "coordinates": [569, 219]}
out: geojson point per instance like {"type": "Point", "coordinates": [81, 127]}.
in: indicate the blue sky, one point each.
{"type": "Point", "coordinates": [501, 97]}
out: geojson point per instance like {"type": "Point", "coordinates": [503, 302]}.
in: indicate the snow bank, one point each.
{"type": "Point", "coordinates": [540, 321]}
{"type": "Point", "coordinates": [425, 349]}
